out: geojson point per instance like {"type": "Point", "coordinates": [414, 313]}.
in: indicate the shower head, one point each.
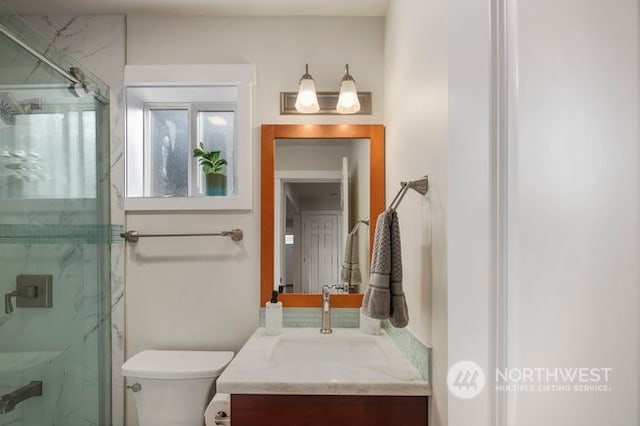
{"type": "Point", "coordinates": [79, 88]}
{"type": "Point", "coordinates": [10, 107]}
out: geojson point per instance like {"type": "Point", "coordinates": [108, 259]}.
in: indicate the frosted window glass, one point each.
{"type": "Point", "coordinates": [170, 152]}
{"type": "Point", "coordinates": [216, 131]}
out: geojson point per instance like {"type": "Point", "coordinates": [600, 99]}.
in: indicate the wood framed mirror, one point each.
{"type": "Point", "coordinates": [270, 133]}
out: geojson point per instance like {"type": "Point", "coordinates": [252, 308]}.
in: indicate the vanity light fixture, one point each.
{"type": "Point", "coordinates": [348, 102]}
{"type": "Point", "coordinates": [307, 101]}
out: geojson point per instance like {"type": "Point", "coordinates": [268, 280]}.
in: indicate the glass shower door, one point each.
{"type": "Point", "coordinates": [54, 192]}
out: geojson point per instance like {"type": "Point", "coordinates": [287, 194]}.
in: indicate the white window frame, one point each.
{"type": "Point", "coordinates": [242, 78]}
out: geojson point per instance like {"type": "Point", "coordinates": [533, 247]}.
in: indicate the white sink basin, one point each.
{"type": "Point", "coordinates": [328, 349]}
{"type": "Point", "coordinates": [301, 361]}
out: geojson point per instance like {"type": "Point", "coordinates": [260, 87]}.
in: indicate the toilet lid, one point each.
{"type": "Point", "coordinates": [153, 364]}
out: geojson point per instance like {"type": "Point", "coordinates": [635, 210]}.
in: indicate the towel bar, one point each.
{"type": "Point", "coordinates": [133, 236]}
{"type": "Point", "coordinates": [357, 225]}
{"type": "Point", "coordinates": [419, 185]}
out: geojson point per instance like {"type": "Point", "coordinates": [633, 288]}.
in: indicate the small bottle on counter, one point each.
{"type": "Point", "coordinates": [273, 315]}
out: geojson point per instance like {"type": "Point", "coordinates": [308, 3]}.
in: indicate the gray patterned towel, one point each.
{"type": "Point", "coordinates": [384, 297]}
{"type": "Point", "coordinates": [350, 272]}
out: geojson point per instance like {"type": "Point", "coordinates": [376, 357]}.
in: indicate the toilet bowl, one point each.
{"type": "Point", "coordinates": [173, 388]}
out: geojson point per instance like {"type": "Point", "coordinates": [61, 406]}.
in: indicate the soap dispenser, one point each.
{"type": "Point", "coordinates": [274, 315]}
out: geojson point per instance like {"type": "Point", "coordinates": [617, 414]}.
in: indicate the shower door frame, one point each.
{"type": "Point", "coordinates": [95, 88]}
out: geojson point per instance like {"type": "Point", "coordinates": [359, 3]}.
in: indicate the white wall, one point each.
{"type": "Point", "coordinates": [279, 47]}
{"type": "Point", "coordinates": [469, 238]}
{"type": "Point", "coordinates": [323, 155]}
{"type": "Point", "coordinates": [574, 293]}
{"type": "Point", "coordinates": [416, 144]}
{"type": "Point", "coordinates": [359, 199]}
{"type": "Point", "coordinates": [203, 293]}
{"type": "Point", "coordinates": [573, 216]}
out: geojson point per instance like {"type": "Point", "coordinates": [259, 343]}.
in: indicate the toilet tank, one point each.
{"type": "Point", "coordinates": [174, 386]}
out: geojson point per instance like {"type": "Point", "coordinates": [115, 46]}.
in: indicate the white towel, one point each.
{"type": "Point", "coordinates": [384, 297]}
{"type": "Point", "coordinates": [350, 272]}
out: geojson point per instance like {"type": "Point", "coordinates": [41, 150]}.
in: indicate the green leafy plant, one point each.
{"type": "Point", "coordinates": [209, 160]}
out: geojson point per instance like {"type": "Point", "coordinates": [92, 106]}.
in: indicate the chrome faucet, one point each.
{"type": "Point", "coordinates": [9, 401]}
{"type": "Point", "coordinates": [326, 311]}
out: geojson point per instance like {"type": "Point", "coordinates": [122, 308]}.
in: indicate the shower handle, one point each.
{"type": "Point", "coordinates": [8, 306]}
{"type": "Point", "coordinates": [25, 291]}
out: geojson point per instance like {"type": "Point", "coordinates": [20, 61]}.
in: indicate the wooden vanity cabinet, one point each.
{"type": "Point", "coordinates": [323, 410]}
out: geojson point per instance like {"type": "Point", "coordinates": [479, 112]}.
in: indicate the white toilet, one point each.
{"type": "Point", "coordinates": [173, 388]}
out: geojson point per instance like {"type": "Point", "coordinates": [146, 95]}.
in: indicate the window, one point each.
{"type": "Point", "coordinates": [170, 110]}
{"type": "Point", "coordinates": [216, 132]}
{"type": "Point", "coordinates": [173, 132]}
{"type": "Point", "coordinates": [168, 144]}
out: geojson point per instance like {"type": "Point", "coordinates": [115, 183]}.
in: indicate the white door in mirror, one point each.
{"type": "Point", "coordinates": [321, 249]}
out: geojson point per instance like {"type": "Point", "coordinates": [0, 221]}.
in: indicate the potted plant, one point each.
{"type": "Point", "coordinates": [213, 168]}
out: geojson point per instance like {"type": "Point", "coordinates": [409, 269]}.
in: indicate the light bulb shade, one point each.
{"type": "Point", "coordinates": [348, 102]}
{"type": "Point", "coordinates": [307, 101]}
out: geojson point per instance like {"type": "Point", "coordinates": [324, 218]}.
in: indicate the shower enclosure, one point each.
{"type": "Point", "coordinates": [54, 236]}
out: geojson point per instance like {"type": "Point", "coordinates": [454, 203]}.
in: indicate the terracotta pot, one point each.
{"type": "Point", "coordinates": [216, 184]}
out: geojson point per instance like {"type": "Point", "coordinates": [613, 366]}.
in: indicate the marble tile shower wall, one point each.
{"type": "Point", "coordinates": [98, 42]}
{"type": "Point", "coordinates": [58, 345]}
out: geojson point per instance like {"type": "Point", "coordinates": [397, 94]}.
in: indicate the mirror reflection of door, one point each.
{"type": "Point", "coordinates": [320, 250]}
{"type": "Point", "coordinates": [321, 192]}
{"type": "Point", "coordinates": [313, 235]}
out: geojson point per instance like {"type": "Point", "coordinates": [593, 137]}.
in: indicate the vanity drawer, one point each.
{"type": "Point", "coordinates": [322, 410]}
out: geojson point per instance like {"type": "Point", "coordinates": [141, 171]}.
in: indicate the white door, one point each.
{"type": "Point", "coordinates": [320, 235]}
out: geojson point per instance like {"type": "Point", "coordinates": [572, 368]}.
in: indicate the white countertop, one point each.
{"type": "Point", "coordinates": [252, 371]}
